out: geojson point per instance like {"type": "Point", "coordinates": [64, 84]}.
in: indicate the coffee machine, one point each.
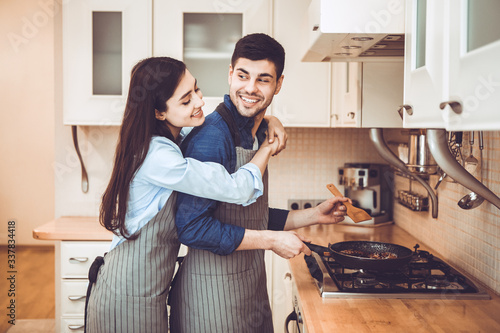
{"type": "Point", "coordinates": [368, 185]}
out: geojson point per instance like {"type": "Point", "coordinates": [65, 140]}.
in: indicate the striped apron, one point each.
{"type": "Point", "coordinates": [225, 293]}
{"type": "Point", "coordinates": [132, 285]}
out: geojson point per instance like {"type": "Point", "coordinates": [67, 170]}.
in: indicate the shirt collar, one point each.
{"type": "Point", "coordinates": [245, 124]}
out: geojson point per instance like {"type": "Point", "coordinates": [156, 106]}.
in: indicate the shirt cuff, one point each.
{"type": "Point", "coordinates": [277, 219]}
{"type": "Point", "coordinates": [257, 182]}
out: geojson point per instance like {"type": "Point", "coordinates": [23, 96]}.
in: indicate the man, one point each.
{"type": "Point", "coordinates": [224, 290]}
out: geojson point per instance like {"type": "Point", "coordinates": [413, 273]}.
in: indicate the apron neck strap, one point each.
{"type": "Point", "coordinates": [225, 113]}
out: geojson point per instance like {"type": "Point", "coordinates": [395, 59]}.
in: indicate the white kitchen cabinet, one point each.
{"type": "Point", "coordinates": [304, 99]}
{"type": "Point", "coordinates": [73, 260]}
{"type": "Point", "coordinates": [452, 76]}
{"type": "Point", "coordinates": [366, 94]}
{"type": "Point", "coordinates": [102, 41]}
{"type": "Point", "coordinates": [346, 94]}
{"type": "Point", "coordinates": [424, 64]}
{"type": "Point", "coordinates": [203, 35]}
{"type": "Point", "coordinates": [474, 65]}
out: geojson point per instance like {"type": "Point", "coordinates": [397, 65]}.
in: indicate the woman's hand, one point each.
{"type": "Point", "coordinates": [276, 131]}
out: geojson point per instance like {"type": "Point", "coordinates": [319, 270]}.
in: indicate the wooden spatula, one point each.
{"type": "Point", "coordinates": [356, 214]}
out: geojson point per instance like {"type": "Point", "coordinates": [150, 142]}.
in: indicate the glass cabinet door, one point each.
{"type": "Point", "coordinates": [209, 31]}
{"type": "Point", "coordinates": [474, 65]}
{"type": "Point", "coordinates": [424, 75]}
{"type": "Point", "coordinates": [208, 44]}
{"type": "Point", "coordinates": [102, 41]}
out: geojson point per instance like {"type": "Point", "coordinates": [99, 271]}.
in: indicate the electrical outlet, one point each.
{"type": "Point", "coordinates": [307, 203]}
{"type": "Point", "coordinates": [294, 204]}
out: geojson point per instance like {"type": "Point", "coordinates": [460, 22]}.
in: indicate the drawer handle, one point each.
{"type": "Point", "coordinates": [77, 298]}
{"type": "Point", "coordinates": [76, 260]}
{"type": "Point", "coordinates": [76, 327]}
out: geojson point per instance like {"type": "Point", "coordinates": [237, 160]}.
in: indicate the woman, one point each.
{"type": "Point", "coordinates": [131, 287]}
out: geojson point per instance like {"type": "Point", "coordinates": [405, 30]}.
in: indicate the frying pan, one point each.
{"type": "Point", "coordinates": [403, 254]}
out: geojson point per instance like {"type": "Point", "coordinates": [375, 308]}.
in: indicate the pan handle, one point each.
{"type": "Point", "coordinates": [321, 250]}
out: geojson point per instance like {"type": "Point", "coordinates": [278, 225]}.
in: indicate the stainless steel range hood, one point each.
{"type": "Point", "coordinates": [355, 30]}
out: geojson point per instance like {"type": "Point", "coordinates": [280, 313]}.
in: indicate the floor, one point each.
{"type": "Point", "coordinates": [34, 289]}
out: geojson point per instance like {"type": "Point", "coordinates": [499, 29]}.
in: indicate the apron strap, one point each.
{"type": "Point", "coordinates": [229, 119]}
{"type": "Point", "coordinates": [94, 269]}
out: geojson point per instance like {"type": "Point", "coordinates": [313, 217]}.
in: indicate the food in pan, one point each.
{"type": "Point", "coordinates": [374, 255]}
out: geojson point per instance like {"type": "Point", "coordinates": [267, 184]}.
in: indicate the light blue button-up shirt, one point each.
{"type": "Point", "coordinates": [166, 170]}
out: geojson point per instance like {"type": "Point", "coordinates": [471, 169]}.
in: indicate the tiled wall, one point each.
{"type": "Point", "coordinates": [311, 161]}
{"type": "Point", "coordinates": [470, 240]}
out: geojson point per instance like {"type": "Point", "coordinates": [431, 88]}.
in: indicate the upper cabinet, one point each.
{"type": "Point", "coordinates": [102, 41]}
{"type": "Point", "coordinates": [366, 94]}
{"type": "Point", "coordinates": [452, 77]}
{"type": "Point", "coordinates": [203, 34]}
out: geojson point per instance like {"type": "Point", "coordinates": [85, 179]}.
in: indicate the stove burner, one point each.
{"type": "Point", "coordinates": [437, 282]}
{"type": "Point", "coordinates": [365, 280]}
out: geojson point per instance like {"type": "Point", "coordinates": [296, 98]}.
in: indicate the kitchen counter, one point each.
{"type": "Point", "coordinates": [385, 315]}
{"type": "Point", "coordinates": [78, 228]}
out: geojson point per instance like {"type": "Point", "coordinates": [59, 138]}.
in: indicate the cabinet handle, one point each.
{"type": "Point", "coordinates": [288, 275]}
{"type": "Point", "coordinates": [77, 298]}
{"type": "Point", "coordinates": [76, 327]}
{"type": "Point", "coordinates": [454, 105]}
{"type": "Point", "coordinates": [351, 115]}
{"type": "Point", "coordinates": [407, 108]}
{"type": "Point", "coordinates": [78, 259]}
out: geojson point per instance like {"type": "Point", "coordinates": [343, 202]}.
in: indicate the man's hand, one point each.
{"type": "Point", "coordinates": [331, 211]}
{"type": "Point", "coordinates": [276, 131]}
{"type": "Point", "coordinates": [288, 244]}
{"type": "Point", "coordinates": [328, 212]}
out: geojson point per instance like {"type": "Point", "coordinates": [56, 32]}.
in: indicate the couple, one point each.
{"type": "Point", "coordinates": [221, 285]}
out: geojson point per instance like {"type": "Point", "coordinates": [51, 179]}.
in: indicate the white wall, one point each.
{"type": "Point", "coordinates": [27, 108]}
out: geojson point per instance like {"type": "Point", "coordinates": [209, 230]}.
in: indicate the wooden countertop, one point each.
{"type": "Point", "coordinates": [79, 228]}
{"type": "Point", "coordinates": [385, 315]}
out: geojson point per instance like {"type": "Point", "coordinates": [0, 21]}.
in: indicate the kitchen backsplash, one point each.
{"type": "Point", "coordinates": [469, 240]}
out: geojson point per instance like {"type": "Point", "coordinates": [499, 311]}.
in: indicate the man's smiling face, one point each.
{"type": "Point", "coordinates": [252, 85]}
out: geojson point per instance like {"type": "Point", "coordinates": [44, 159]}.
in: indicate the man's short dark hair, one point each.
{"type": "Point", "coordinates": [260, 46]}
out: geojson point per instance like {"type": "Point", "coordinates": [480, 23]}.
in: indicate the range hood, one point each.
{"type": "Point", "coordinates": [355, 30]}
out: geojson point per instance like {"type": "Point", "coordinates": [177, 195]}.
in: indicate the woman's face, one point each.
{"type": "Point", "coordinates": [184, 107]}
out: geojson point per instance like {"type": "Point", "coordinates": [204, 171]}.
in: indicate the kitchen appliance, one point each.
{"type": "Point", "coordinates": [368, 186]}
{"type": "Point", "coordinates": [423, 277]}
{"type": "Point", "coordinates": [355, 30]}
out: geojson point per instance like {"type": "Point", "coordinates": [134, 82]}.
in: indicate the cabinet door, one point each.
{"type": "Point", "coordinates": [102, 41]}
{"type": "Point", "coordinates": [474, 60]}
{"type": "Point", "coordinates": [424, 68]}
{"type": "Point", "coordinates": [304, 99]}
{"type": "Point", "coordinates": [382, 93]}
{"type": "Point", "coordinates": [203, 34]}
{"type": "Point", "coordinates": [346, 94]}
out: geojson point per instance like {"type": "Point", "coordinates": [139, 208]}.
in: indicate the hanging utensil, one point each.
{"type": "Point", "coordinates": [473, 200]}
{"type": "Point", "coordinates": [471, 162]}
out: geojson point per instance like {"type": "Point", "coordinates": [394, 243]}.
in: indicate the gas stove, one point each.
{"type": "Point", "coordinates": [425, 277]}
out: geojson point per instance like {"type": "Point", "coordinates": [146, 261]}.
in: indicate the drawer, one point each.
{"type": "Point", "coordinates": [73, 294]}
{"type": "Point", "coordinates": [77, 257]}
{"type": "Point", "coordinates": [72, 324]}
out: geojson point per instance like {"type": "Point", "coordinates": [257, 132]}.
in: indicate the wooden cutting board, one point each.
{"type": "Point", "coordinates": [356, 214]}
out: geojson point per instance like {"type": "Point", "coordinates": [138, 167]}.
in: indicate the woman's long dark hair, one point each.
{"type": "Point", "coordinates": [153, 81]}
